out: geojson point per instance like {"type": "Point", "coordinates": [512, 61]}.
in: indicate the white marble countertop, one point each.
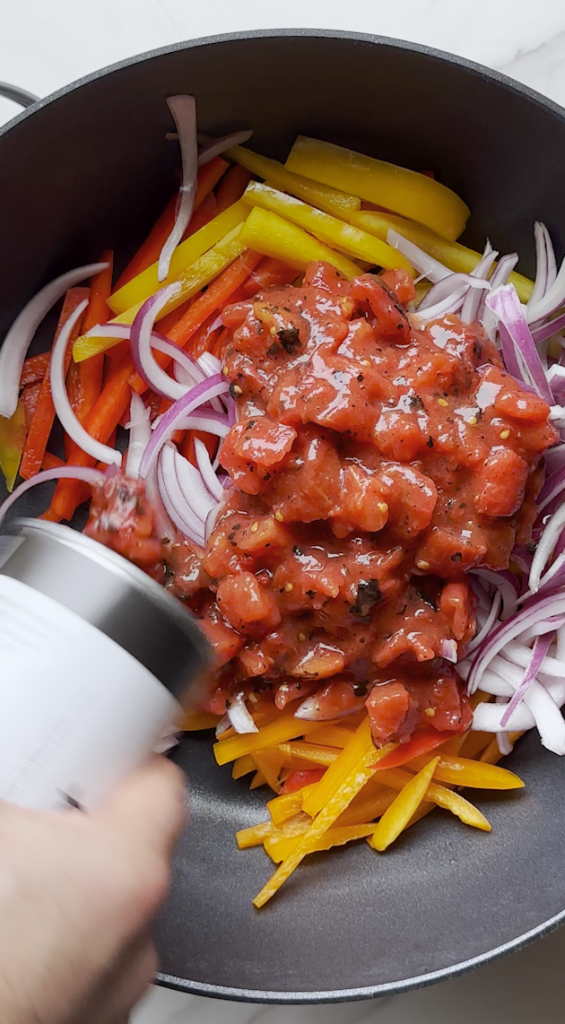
{"type": "Point", "coordinates": [46, 43]}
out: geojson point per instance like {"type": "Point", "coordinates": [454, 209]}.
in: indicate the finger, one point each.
{"type": "Point", "coordinates": [151, 804]}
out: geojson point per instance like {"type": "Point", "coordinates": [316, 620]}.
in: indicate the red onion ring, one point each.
{"type": "Point", "coordinates": [71, 424]}
{"type": "Point", "coordinates": [19, 337]}
{"type": "Point", "coordinates": [89, 475]}
{"type": "Point", "coordinates": [183, 109]}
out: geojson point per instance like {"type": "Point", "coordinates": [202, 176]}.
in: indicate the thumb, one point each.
{"type": "Point", "coordinates": [151, 803]}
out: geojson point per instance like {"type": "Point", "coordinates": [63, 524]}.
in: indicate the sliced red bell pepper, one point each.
{"type": "Point", "coordinates": [420, 743]}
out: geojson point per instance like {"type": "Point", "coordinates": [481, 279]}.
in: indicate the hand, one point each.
{"type": "Point", "coordinates": [78, 893]}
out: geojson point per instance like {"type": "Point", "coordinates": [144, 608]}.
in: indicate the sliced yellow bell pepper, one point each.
{"type": "Point", "coordinates": [257, 834]}
{"type": "Point", "coordinates": [204, 270]}
{"type": "Point", "coordinates": [413, 195]}
{"type": "Point", "coordinates": [147, 283]}
{"type": "Point", "coordinates": [491, 754]}
{"type": "Point", "coordinates": [193, 721]}
{"type": "Point", "coordinates": [271, 235]}
{"type": "Point", "coordinates": [283, 729]}
{"type": "Point", "coordinates": [397, 816]}
{"type": "Point", "coordinates": [243, 766]}
{"type": "Point", "coordinates": [283, 807]}
{"type": "Point", "coordinates": [337, 772]}
{"type": "Point", "coordinates": [397, 778]}
{"type": "Point", "coordinates": [331, 736]}
{"type": "Point", "coordinates": [454, 255]}
{"type": "Point", "coordinates": [369, 805]}
{"type": "Point", "coordinates": [353, 783]}
{"type": "Point", "coordinates": [281, 847]}
{"type": "Point", "coordinates": [472, 745]}
{"type": "Point", "coordinates": [12, 443]}
{"type": "Point", "coordinates": [269, 763]}
{"type": "Point", "coordinates": [325, 198]}
{"type": "Point", "coordinates": [346, 237]}
{"type": "Point", "coordinates": [258, 780]}
{"type": "Point", "coordinates": [309, 753]}
{"type": "Point", "coordinates": [462, 771]}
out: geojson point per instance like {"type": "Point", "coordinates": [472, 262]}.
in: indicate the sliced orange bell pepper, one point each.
{"type": "Point", "coordinates": [279, 848]}
{"type": "Point", "coordinates": [397, 816]}
{"type": "Point", "coordinates": [397, 778]}
{"type": "Point", "coordinates": [462, 771]}
{"type": "Point", "coordinates": [338, 771]}
{"type": "Point", "coordinates": [353, 783]}
{"type": "Point", "coordinates": [280, 731]}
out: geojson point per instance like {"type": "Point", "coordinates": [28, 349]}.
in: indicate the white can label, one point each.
{"type": "Point", "coordinates": [77, 712]}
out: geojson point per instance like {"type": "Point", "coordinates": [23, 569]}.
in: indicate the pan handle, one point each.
{"type": "Point", "coordinates": [20, 96]}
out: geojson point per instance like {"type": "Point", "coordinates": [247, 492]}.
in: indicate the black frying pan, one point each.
{"type": "Point", "coordinates": [91, 168]}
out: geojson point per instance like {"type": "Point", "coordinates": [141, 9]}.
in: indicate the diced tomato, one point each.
{"type": "Point", "coordinates": [390, 317]}
{"type": "Point", "coordinates": [392, 712]}
{"type": "Point", "coordinates": [244, 602]}
{"type": "Point", "coordinates": [501, 482]}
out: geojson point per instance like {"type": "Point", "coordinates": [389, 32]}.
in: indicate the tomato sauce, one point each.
{"type": "Point", "coordinates": [374, 465]}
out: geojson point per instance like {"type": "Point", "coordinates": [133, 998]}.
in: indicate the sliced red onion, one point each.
{"type": "Point", "coordinates": [489, 623]}
{"type": "Point", "coordinates": [546, 266]}
{"type": "Point", "coordinates": [448, 288]}
{"type": "Point", "coordinates": [174, 500]}
{"type": "Point", "coordinates": [505, 582]}
{"type": "Point", "coordinates": [163, 524]}
{"type": "Point", "coordinates": [473, 304]}
{"type": "Point", "coordinates": [494, 684]}
{"type": "Point", "coordinates": [223, 725]}
{"type": "Point", "coordinates": [503, 269]}
{"type": "Point", "coordinates": [209, 363]}
{"type": "Point", "coordinates": [173, 418]}
{"type": "Point", "coordinates": [183, 109]}
{"type": "Point", "coordinates": [533, 614]}
{"type": "Point", "coordinates": [142, 343]}
{"type": "Point", "coordinates": [139, 435]}
{"type": "Point", "coordinates": [240, 716]}
{"type": "Point", "coordinates": [499, 276]}
{"type": "Point", "coordinates": [205, 466]}
{"type": "Point", "coordinates": [547, 330]}
{"type": "Point", "coordinates": [504, 744]}
{"type": "Point", "coordinates": [520, 655]}
{"type": "Point", "coordinates": [539, 651]}
{"type": "Point", "coordinates": [311, 711]}
{"type": "Point", "coordinates": [547, 542]}
{"type": "Point", "coordinates": [553, 299]}
{"type": "Point", "coordinates": [196, 495]}
{"type": "Point", "coordinates": [424, 264]}
{"type": "Point", "coordinates": [504, 302]}
{"type": "Point", "coordinates": [215, 147]}
{"type": "Point", "coordinates": [63, 408]}
{"type": "Point", "coordinates": [94, 477]}
{"type": "Point", "coordinates": [448, 650]}
{"type": "Point", "coordinates": [205, 419]}
{"type": "Point", "coordinates": [452, 304]}
{"type": "Point", "coordinates": [19, 337]}
{"type": "Point", "coordinates": [210, 523]}
{"type": "Point", "coordinates": [541, 280]}
{"type": "Point", "coordinates": [488, 718]}
{"type": "Point", "coordinates": [554, 485]}
{"type": "Point", "coordinates": [192, 370]}
{"type": "Point", "coordinates": [548, 718]}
